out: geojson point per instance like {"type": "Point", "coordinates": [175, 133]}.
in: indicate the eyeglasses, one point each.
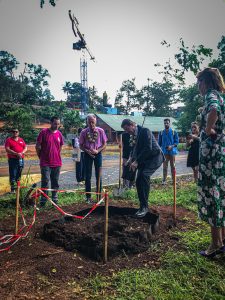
{"type": "Point", "coordinates": [15, 130]}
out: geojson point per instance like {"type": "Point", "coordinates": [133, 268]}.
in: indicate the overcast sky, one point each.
{"type": "Point", "coordinates": [123, 35]}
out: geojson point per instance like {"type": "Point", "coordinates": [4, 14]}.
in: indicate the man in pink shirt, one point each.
{"type": "Point", "coordinates": [15, 148]}
{"type": "Point", "coordinates": [92, 141]}
{"type": "Point", "coordinates": [48, 148]}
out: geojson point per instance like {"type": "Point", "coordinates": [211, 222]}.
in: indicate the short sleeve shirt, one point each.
{"type": "Point", "coordinates": [90, 145]}
{"type": "Point", "coordinates": [17, 146]}
{"type": "Point", "coordinates": [213, 100]}
{"type": "Point", "coordinates": [51, 143]}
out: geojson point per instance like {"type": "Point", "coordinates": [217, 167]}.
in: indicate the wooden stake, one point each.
{"type": "Point", "coordinates": [106, 226]}
{"type": "Point", "coordinates": [17, 206]}
{"type": "Point", "coordinates": [120, 166]}
{"type": "Point", "coordinates": [174, 194]}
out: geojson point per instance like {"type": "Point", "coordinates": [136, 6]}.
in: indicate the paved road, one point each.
{"type": "Point", "coordinates": [110, 172]}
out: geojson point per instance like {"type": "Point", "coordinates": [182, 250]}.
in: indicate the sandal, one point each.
{"type": "Point", "coordinates": [210, 252]}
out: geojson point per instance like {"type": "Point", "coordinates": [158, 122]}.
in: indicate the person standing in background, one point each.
{"type": "Point", "coordinates": [15, 148]}
{"type": "Point", "coordinates": [168, 140]}
{"type": "Point", "coordinates": [48, 147]}
{"type": "Point", "coordinates": [79, 158]}
{"type": "Point", "coordinates": [193, 141]}
{"type": "Point", "coordinates": [92, 141]}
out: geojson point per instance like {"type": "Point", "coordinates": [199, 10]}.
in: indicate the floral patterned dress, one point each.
{"type": "Point", "coordinates": [211, 182]}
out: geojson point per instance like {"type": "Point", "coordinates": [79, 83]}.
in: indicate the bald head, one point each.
{"type": "Point", "coordinates": [91, 121]}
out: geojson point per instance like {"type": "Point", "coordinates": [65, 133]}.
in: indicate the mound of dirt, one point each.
{"type": "Point", "coordinates": [127, 234]}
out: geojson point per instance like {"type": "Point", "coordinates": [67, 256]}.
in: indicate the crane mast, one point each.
{"type": "Point", "coordinates": [81, 45]}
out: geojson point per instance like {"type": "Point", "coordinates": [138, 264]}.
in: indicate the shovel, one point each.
{"type": "Point", "coordinates": [119, 191]}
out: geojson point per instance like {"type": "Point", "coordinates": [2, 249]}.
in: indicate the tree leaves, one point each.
{"type": "Point", "coordinates": [52, 2]}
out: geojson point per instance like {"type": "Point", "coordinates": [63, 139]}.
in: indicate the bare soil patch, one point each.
{"type": "Point", "coordinates": [39, 269]}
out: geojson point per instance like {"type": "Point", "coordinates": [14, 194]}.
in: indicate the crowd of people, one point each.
{"type": "Point", "coordinates": [143, 155]}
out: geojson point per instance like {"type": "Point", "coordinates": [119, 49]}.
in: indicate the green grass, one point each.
{"type": "Point", "coordinates": [183, 274]}
{"type": "Point", "coordinates": [163, 195]}
{"type": "Point", "coordinates": [159, 195]}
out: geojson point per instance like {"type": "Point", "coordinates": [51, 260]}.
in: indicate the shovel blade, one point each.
{"type": "Point", "coordinates": [117, 192]}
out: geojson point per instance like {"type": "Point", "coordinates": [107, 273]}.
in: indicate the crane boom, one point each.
{"type": "Point", "coordinates": [81, 44]}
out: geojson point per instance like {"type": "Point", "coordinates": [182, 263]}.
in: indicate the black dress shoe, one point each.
{"type": "Point", "coordinates": [142, 212]}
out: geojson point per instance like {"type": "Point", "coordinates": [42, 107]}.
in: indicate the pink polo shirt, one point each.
{"type": "Point", "coordinates": [101, 139]}
{"type": "Point", "coordinates": [51, 143]}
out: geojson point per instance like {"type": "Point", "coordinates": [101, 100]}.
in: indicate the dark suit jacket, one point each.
{"type": "Point", "coordinates": [147, 152]}
{"type": "Point", "coordinates": [126, 145]}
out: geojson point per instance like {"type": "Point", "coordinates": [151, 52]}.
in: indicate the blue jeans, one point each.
{"type": "Point", "coordinates": [50, 174]}
{"type": "Point", "coordinates": [88, 172]}
{"type": "Point", "coordinates": [15, 169]}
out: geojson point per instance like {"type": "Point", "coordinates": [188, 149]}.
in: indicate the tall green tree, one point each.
{"type": "Point", "coordinates": [21, 118]}
{"type": "Point", "coordinates": [95, 102]}
{"type": "Point", "coordinates": [119, 102]}
{"type": "Point", "coordinates": [126, 96]}
{"type": "Point", "coordinates": [29, 87]}
{"type": "Point", "coordinates": [156, 98]}
{"type": "Point", "coordinates": [192, 59]}
{"type": "Point", "coordinates": [187, 59]}
{"type": "Point", "coordinates": [192, 101]}
{"type": "Point", "coordinates": [8, 64]}
{"type": "Point", "coordinates": [73, 94]}
{"type": "Point", "coordinates": [219, 62]}
{"type": "Point", "coordinates": [71, 120]}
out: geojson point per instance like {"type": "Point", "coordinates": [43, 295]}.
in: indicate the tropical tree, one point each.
{"type": "Point", "coordinates": [162, 97]}
{"type": "Point", "coordinates": [219, 62]}
{"type": "Point", "coordinates": [192, 59]}
{"type": "Point", "coordinates": [192, 102]}
{"type": "Point", "coordinates": [187, 59]}
{"type": "Point", "coordinates": [71, 120]}
{"type": "Point", "coordinates": [126, 96]}
{"type": "Point", "coordinates": [8, 64]}
{"type": "Point", "coordinates": [29, 87]}
{"type": "Point", "coordinates": [95, 102]}
{"type": "Point", "coordinates": [21, 118]}
{"type": "Point", "coordinates": [119, 102]}
{"type": "Point", "coordinates": [73, 94]}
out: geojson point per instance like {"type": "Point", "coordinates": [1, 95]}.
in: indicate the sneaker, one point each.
{"type": "Point", "coordinates": [89, 201]}
{"type": "Point", "coordinates": [163, 182]}
{"type": "Point", "coordinates": [142, 212]}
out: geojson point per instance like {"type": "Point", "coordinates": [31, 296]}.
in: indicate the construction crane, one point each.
{"type": "Point", "coordinates": [81, 45]}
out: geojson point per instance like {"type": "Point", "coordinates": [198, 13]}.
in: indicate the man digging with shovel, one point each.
{"type": "Point", "coordinates": [146, 157]}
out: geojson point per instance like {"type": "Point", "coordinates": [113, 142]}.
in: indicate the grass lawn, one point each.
{"type": "Point", "coordinates": [182, 272]}
{"type": "Point", "coordinates": [5, 186]}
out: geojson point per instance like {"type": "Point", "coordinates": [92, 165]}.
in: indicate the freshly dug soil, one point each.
{"type": "Point", "coordinates": [38, 269]}
{"type": "Point", "coordinates": [127, 234]}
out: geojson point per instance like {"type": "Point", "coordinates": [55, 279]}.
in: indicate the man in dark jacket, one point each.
{"type": "Point", "coordinates": [128, 175]}
{"type": "Point", "coordinates": [147, 157]}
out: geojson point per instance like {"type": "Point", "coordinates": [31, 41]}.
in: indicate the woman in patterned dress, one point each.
{"type": "Point", "coordinates": [211, 182]}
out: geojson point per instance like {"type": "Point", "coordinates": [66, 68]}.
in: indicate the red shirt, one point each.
{"type": "Point", "coordinates": [51, 143]}
{"type": "Point", "coordinates": [17, 146]}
